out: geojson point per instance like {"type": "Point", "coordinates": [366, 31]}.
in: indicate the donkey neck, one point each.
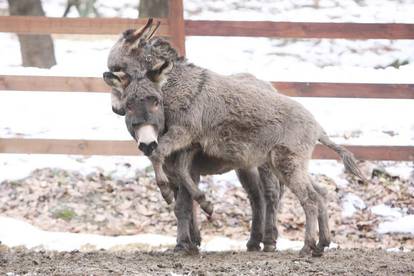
{"type": "Point", "coordinates": [184, 83]}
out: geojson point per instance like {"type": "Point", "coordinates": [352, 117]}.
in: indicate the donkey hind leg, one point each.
{"type": "Point", "coordinates": [272, 193]}
{"type": "Point", "coordinates": [250, 180]}
{"type": "Point", "coordinates": [323, 219]}
{"type": "Point", "coordinates": [292, 171]}
{"type": "Point", "coordinates": [194, 223]}
{"type": "Point", "coordinates": [183, 211]}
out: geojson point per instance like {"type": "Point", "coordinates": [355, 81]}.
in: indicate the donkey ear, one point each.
{"type": "Point", "coordinates": [158, 73]}
{"type": "Point", "coordinates": [134, 38]}
{"type": "Point", "coordinates": [131, 35]}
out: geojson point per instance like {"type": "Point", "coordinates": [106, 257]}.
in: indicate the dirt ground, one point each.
{"type": "Point", "coordinates": [342, 262]}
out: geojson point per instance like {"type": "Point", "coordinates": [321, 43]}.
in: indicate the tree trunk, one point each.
{"type": "Point", "coordinates": [36, 50]}
{"type": "Point", "coordinates": [153, 8]}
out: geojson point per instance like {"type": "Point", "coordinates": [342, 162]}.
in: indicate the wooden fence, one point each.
{"type": "Point", "coordinates": [176, 28]}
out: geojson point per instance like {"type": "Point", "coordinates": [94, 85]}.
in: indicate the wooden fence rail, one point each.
{"type": "Point", "coordinates": [56, 25]}
{"type": "Point", "coordinates": [106, 26]}
{"type": "Point", "coordinates": [299, 29]}
{"type": "Point", "coordinates": [104, 147]}
{"type": "Point", "coordinates": [293, 89]}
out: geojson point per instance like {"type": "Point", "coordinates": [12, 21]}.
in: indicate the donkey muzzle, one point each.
{"type": "Point", "coordinates": [147, 149]}
{"type": "Point", "coordinates": [146, 137]}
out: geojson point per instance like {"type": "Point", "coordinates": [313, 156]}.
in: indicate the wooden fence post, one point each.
{"type": "Point", "coordinates": [176, 25]}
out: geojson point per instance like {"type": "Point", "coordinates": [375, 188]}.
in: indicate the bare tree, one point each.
{"type": "Point", "coordinates": [153, 8]}
{"type": "Point", "coordinates": [84, 7]}
{"type": "Point", "coordinates": [36, 50]}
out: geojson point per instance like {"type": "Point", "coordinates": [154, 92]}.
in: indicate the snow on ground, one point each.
{"type": "Point", "coordinates": [387, 211]}
{"type": "Point", "coordinates": [351, 203]}
{"type": "Point", "coordinates": [396, 221]}
{"type": "Point", "coordinates": [19, 233]}
{"type": "Point", "coordinates": [365, 11]}
{"type": "Point", "coordinates": [348, 121]}
{"type": "Point", "coordinates": [17, 166]}
{"type": "Point", "coordinates": [401, 225]}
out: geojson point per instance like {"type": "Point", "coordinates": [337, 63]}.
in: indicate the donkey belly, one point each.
{"type": "Point", "coordinates": [207, 165]}
{"type": "Point", "coordinates": [234, 154]}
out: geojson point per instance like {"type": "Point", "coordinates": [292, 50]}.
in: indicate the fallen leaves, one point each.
{"type": "Point", "coordinates": [60, 200]}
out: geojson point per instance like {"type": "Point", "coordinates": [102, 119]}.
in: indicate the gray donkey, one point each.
{"type": "Point", "coordinates": [241, 124]}
{"type": "Point", "coordinates": [254, 181]}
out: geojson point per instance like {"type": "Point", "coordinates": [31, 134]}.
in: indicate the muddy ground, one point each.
{"type": "Point", "coordinates": [342, 262]}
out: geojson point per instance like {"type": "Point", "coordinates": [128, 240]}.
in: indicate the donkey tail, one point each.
{"type": "Point", "coordinates": [346, 156]}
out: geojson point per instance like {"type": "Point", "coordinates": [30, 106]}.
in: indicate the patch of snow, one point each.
{"type": "Point", "coordinates": [397, 250]}
{"type": "Point", "coordinates": [288, 10]}
{"type": "Point", "coordinates": [285, 244]}
{"type": "Point", "coordinates": [226, 178]}
{"type": "Point", "coordinates": [15, 232]}
{"type": "Point", "coordinates": [396, 221]}
{"type": "Point", "coordinates": [404, 170]}
{"type": "Point", "coordinates": [401, 225]}
{"type": "Point", "coordinates": [352, 203]}
{"type": "Point", "coordinates": [386, 211]}
{"type": "Point", "coordinates": [331, 168]}
{"type": "Point", "coordinates": [18, 233]}
{"type": "Point", "coordinates": [18, 166]}
{"type": "Point", "coordinates": [223, 244]}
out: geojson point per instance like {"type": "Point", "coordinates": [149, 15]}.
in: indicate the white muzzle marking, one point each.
{"type": "Point", "coordinates": [146, 134]}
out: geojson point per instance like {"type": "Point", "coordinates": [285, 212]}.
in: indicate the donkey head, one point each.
{"type": "Point", "coordinates": [144, 113]}
{"type": "Point", "coordinates": [138, 64]}
{"type": "Point", "coordinates": [130, 45]}
{"type": "Point", "coordinates": [138, 50]}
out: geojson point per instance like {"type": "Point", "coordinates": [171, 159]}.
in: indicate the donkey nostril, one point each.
{"type": "Point", "coordinates": [153, 146]}
{"type": "Point", "coordinates": [147, 149]}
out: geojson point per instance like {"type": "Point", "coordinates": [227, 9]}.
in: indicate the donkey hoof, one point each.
{"type": "Point", "coordinates": [197, 240]}
{"type": "Point", "coordinates": [305, 251]}
{"type": "Point", "coordinates": [269, 248]}
{"type": "Point", "coordinates": [323, 244]}
{"type": "Point", "coordinates": [195, 237]}
{"type": "Point", "coordinates": [186, 248]}
{"type": "Point", "coordinates": [168, 196]}
{"type": "Point", "coordinates": [253, 246]}
{"type": "Point", "coordinates": [318, 251]}
{"type": "Point", "coordinates": [207, 207]}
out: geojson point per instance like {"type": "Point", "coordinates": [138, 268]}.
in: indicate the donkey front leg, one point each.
{"type": "Point", "coordinates": [185, 225]}
{"type": "Point", "coordinates": [184, 166]}
{"type": "Point", "coordinates": [175, 139]}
